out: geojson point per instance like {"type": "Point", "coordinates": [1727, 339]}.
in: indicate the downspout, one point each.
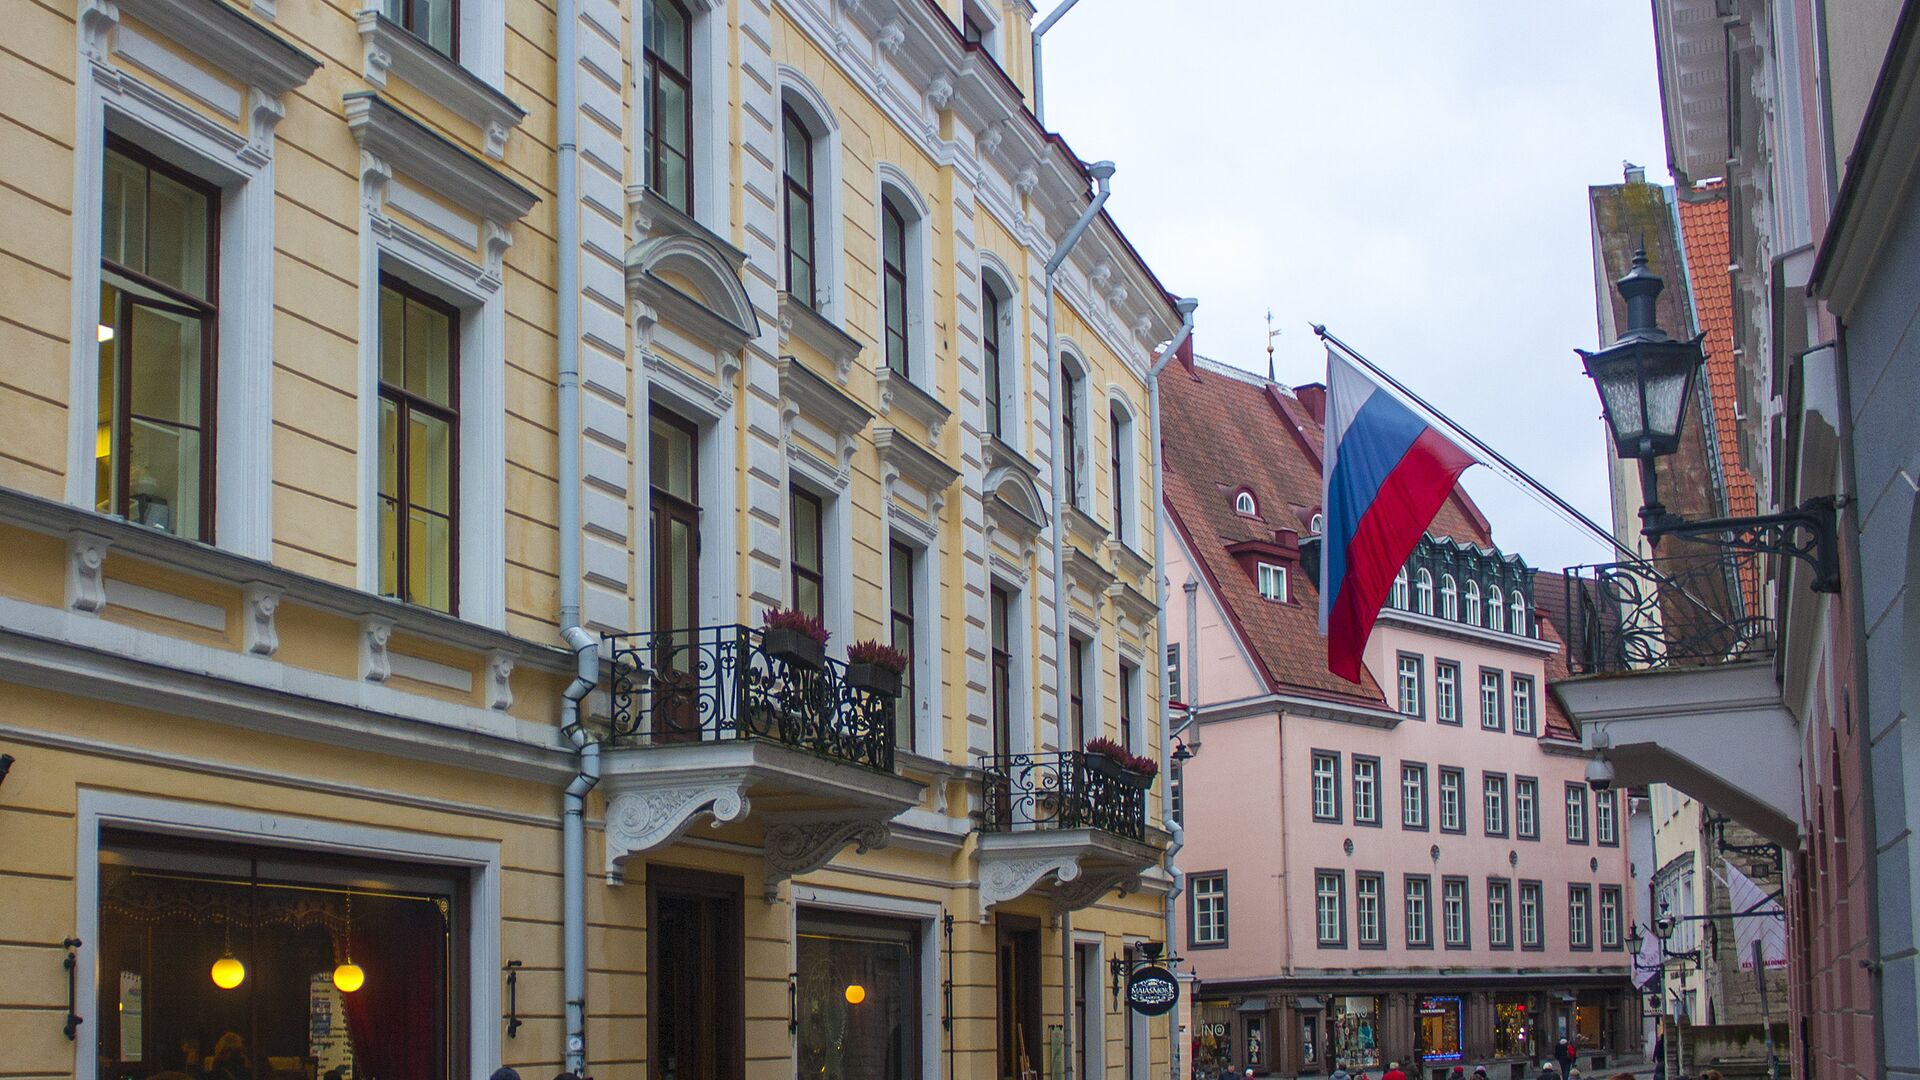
{"type": "Point", "coordinates": [1174, 829]}
{"type": "Point", "coordinates": [585, 646]}
{"type": "Point", "coordinates": [1046, 24]}
{"type": "Point", "coordinates": [1102, 172]}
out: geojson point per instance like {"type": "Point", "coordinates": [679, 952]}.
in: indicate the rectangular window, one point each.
{"type": "Point", "coordinates": [882, 957]}
{"type": "Point", "coordinates": [797, 177]}
{"type": "Point", "coordinates": [1330, 908]}
{"type": "Point", "coordinates": [667, 85]}
{"type": "Point", "coordinates": [1446, 691]}
{"type": "Point", "coordinates": [1453, 786]}
{"type": "Point", "coordinates": [1130, 735]}
{"type": "Point", "coordinates": [1605, 824]}
{"type": "Point", "coordinates": [436, 22]}
{"type": "Point", "coordinates": [1366, 790]}
{"type": "Point", "coordinates": [419, 440]}
{"type": "Point", "coordinates": [1176, 796]}
{"type": "Point", "coordinates": [1610, 916]}
{"type": "Point", "coordinates": [1413, 796]}
{"type": "Point", "coordinates": [1075, 736]}
{"type": "Point", "coordinates": [900, 590]}
{"type": "Point", "coordinates": [1273, 582]}
{"type": "Point", "coordinates": [1499, 927]}
{"type": "Point", "coordinates": [1070, 430]}
{"type": "Point", "coordinates": [1411, 677]}
{"type": "Point", "coordinates": [1175, 689]}
{"type": "Point", "coordinates": [159, 282]}
{"type": "Point", "coordinates": [1579, 916]}
{"type": "Point", "coordinates": [1453, 911]}
{"type": "Point", "coordinates": [1522, 705]}
{"type": "Point", "coordinates": [893, 264]}
{"type": "Point", "coordinates": [1491, 693]}
{"type": "Point", "coordinates": [1367, 923]}
{"type": "Point", "coordinates": [1496, 804]}
{"type": "Point", "coordinates": [806, 524]}
{"type": "Point", "coordinates": [1326, 786]}
{"type": "Point", "coordinates": [1116, 463]}
{"type": "Point", "coordinates": [1001, 603]}
{"type": "Point", "coordinates": [1419, 925]}
{"type": "Point", "coordinates": [1208, 909]}
{"type": "Point", "coordinates": [1526, 808]}
{"type": "Point", "coordinates": [1576, 813]}
{"type": "Point", "coordinates": [1530, 934]}
{"type": "Point", "coordinates": [674, 495]}
{"type": "Point", "coordinates": [990, 360]}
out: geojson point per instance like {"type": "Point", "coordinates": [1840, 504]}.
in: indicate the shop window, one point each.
{"type": "Point", "coordinates": [858, 997]}
{"type": "Point", "coordinates": [1213, 1038]}
{"type": "Point", "coordinates": [1512, 1026]}
{"type": "Point", "coordinates": [1353, 1024]}
{"type": "Point", "coordinates": [1438, 1034]}
{"type": "Point", "coordinates": [233, 962]}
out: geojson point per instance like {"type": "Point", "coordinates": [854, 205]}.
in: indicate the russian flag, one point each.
{"type": "Point", "coordinates": [1386, 474]}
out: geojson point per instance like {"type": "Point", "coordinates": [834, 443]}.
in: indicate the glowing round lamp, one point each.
{"type": "Point", "coordinates": [228, 972]}
{"type": "Point", "coordinates": [856, 994]}
{"type": "Point", "coordinates": [348, 977]}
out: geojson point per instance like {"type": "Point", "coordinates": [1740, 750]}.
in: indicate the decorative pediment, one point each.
{"type": "Point", "coordinates": [1085, 574]}
{"type": "Point", "coordinates": [1014, 505]}
{"type": "Point", "coordinates": [1082, 527]}
{"type": "Point", "coordinates": [798, 320]}
{"type": "Point", "coordinates": [900, 456]}
{"type": "Point", "coordinates": [831, 411]}
{"type": "Point", "coordinates": [714, 307]}
{"type": "Point", "coordinates": [1130, 562]}
{"type": "Point", "coordinates": [389, 50]}
{"type": "Point", "coordinates": [901, 394]}
{"type": "Point", "coordinates": [396, 142]}
{"type": "Point", "coordinates": [1136, 608]}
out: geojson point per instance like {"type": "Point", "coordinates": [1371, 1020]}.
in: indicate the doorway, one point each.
{"type": "Point", "coordinates": [695, 984]}
{"type": "Point", "coordinates": [1019, 1012]}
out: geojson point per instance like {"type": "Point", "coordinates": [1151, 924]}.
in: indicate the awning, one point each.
{"type": "Point", "coordinates": [1252, 1005]}
{"type": "Point", "coordinates": [1307, 1004]}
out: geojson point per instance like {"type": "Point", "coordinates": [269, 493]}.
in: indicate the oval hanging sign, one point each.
{"type": "Point", "coordinates": [1152, 990]}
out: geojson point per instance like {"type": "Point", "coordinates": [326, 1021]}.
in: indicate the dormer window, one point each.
{"type": "Point", "coordinates": [1400, 590]}
{"type": "Point", "coordinates": [1243, 504]}
{"type": "Point", "coordinates": [1519, 615]}
{"type": "Point", "coordinates": [1473, 603]}
{"type": "Point", "coordinates": [1496, 609]}
{"type": "Point", "coordinates": [1317, 525]}
{"type": "Point", "coordinates": [1423, 592]}
{"type": "Point", "coordinates": [1449, 597]}
{"type": "Point", "coordinates": [1272, 580]}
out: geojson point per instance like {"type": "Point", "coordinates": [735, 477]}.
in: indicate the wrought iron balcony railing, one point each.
{"type": "Point", "coordinates": [1059, 791]}
{"type": "Point", "coordinates": [1694, 607]}
{"type": "Point", "coordinates": [720, 682]}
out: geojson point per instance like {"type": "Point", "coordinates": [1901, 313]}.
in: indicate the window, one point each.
{"type": "Point", "coordinates": [1610, 916]}
{"type": "Point", "coordinates": [1119, 452]}
{"type": "Point", "coordinates": [1001, 604]}
{"type": "Point", "coordinates": [419, 431]}
{"type": "Point", "coordinates": [1419, 928]}
{"type": "Point", "coordinates": [1518, 616]}
{"type": "Point", "coordinates": [1423, 592]}
{"type": "Point", "coordinates": [1446, 692]}
{"type": "Point", "coordinates": [1453, 912]}
{"type": "Point", "coordinates": [1526, 808]}
{"type": "Point", "coordinates": [1499, 929]}
{"type": "Point", "coordinates": [1243, 504]}
{"type": "Point", "coordinates": [1326, 786]}
{"type": "Point", "coordinates": [1522, 705]}
{"type": "Point", "coordinates": [674, 506]}
{"type": "Point", "coordinates": [1530, 936]}
{"type": "Point", "coordinates": [1449, 597]}
{"type": "Point", "coordinates": [1413, 796]}
{"type": "Point", "coordinates": [1473, 603]}
{"type": "Point", "coordinates": [1367, 924]}
{"type": "Point", "coordinates": [1173, 687]}
{"type": "Point", "coordinates": [1399, 600]}
{"type": "Point", "coordinates": [1579, 916]}
{"type": "Point", "coordinates": [883, 957]}
{"type": "Point", "coordinates": [806, 522]}
{"type": "Point", "coordinates": [798, 181]}
{"type": "Point", "coordinates": [1491, 693]}
{"type": "Point", "coordinates": [1604, 821]}
{"type": "Point", "coordinates": [893, 259]}
{"type": "Point", "coordinates": [1076, 734]}
{"type": "Point", "coordinates": [1496, 609]}
{"type": "Point", "coordinates": [1496, 804]}
{"type": "Point", "coordinates": [971, 30]}
{"type": "Point", "coordinates": [1411, 678]}
{"type": "Point", "coordinates": [1317, 524]}
{"type": "Point", "coordinates": [900, 590]}
{"type": "Point", "coordinates": [1453, 784]}
{"type": "Point", "coordinates": [1130, 736]}
{"type": "Point", "coordinates": [990, 360]}
{"type": "Point", "coordinates": [1176, 795]}
{"type": "Point", "coordinates": [1576, 813]}
{"type": "Point", "coordinates": [159, 258]}
{"type": "Point", "coordinates": [667, 84]}
{"type": "Point", "coordinates": [436, 22]}
{"type": "Point", "coordinates": [1070, 429]}
{"type": "Point", "coordinates": [1330, 908]}
{"type": "Point", "coordinates": [1273, 581]}
{"type": "Point", "coordinates": [1366, 790]}
{"type": "Point", "coordinates": [1207, 914]}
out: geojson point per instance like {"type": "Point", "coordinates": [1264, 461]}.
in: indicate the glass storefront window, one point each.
{"type": "Point", "coordinates": [1512, 1026]}
{"type": "Point", "coordinates": [1439, 1032]}
{"type": "Point", "coordinates": [232, 964]}
{"type": "Point", "coordinates": [1212, 1040]}
{"type": "Point", "coordinates": [1591, 1029]}
{"type": "Point", "coordinates": [1353, 1023]}
{"type": "Point", "coordinates": [859, 998]}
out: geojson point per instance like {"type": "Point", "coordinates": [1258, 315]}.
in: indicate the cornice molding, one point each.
{"type": "Point", "coordinates": [217, 33]}
{"type": "Point", "coordinates": [798, 320]}
{"type": "Point", "coordinates": [900, 455]}
{"type": "Point", "coordinates": [911, 399]}
{"type": "Point", "coordinates": [390, 50]}
{"type": "Point", "coordinates": [803, 393]}
{"type": "Point", "coordinates": [400, 143]}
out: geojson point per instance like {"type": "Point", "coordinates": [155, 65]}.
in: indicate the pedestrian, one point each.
{"type": "Point", "coordinates": [1549, 1070]}
{"type": "Point", "coordinates": [1564, 1054]}
{"type": "Point", "coordinates": [1660, 1055]}
{"type": "Point", "coordinates": [1393, 1072]}
{"type": "Point", "coordinates": [1479, 1072]}
{"type": "Point", "coordinates": [504, 1073]}
{"type": "Point", "coordinates": [1340, 1072]}
{"type": "Point", "coordinates": [1458, 1073]}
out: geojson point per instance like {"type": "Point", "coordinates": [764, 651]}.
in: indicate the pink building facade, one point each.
{"type": "Point", "coordinates": [1413, 869]}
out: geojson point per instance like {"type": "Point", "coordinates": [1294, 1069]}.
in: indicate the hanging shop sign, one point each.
{"type": "Point", "coordinates": [1152, 990]}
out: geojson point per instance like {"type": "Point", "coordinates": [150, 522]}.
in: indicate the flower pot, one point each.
{"type": "Point", "coordinates": [794, 648]}
{"type": "Point", "coordinates": [1105, 766]}
{"type": "Point", "coordinates": [1139, 781]}
{"type": "Point", "coordinates": [874, 679]}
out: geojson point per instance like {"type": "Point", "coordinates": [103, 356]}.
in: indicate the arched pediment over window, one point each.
{"type": "Point", "coordinates": [694, 283]}
{"type": "Point", "coordinates": [1015, 503]}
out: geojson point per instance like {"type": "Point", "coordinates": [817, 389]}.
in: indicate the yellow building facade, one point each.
{"type": "Point", "coordinates": [412, 408]}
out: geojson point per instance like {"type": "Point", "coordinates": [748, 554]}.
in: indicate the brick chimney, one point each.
{"type": "Point", "coordinates": [1314, 396]}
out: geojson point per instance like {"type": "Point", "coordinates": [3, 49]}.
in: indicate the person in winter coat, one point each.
{"type": "Point", "coordinates": [1393, 1072]}
{"type": "Point", "coordinates": [1564, 1054]}
{"type": "Point", "coordinates": [1340, 1072]}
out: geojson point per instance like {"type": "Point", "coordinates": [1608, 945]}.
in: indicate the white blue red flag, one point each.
{"type": "Point", "coordinates": [1386, 474]}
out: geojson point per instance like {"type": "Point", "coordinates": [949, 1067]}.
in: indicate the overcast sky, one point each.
{"type": "Point", "coordinates": [1414, 175]}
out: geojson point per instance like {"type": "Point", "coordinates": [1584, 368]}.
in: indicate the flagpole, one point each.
{"type": "Point", "coordinates": [1514, 470]}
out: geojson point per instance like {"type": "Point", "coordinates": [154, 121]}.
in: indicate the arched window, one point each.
{"type": "Point", "coordinates": [1423, 592]}
{"type": "Point", "coordinates": [667, 83]}
{"type": "Point", "coordinates": [993, 309]}
{"type": "Point", "coordinates": [1317, 525]}
{"type": "Point", "coordinates": [893, 258]}
{"type": "Point", "coordinates": [1449, 597]}
{"type": "Point", "coordinates": [1521, 625]}
{"type": "Point", "coordinates": [1120, 463]}
{"type": "Point", "coordinates": [1400, 589]}
{"type": "Point", "coordinates": [797, 176]}
{"type": "Point", "coordinates": [1473, 602]}
{"type": "Point", "coordinates": [1243, 504]}
{"type": "Point", "coordinates": [1496, 608]}
{"type": "Point", "coordinates": [1073, 427]}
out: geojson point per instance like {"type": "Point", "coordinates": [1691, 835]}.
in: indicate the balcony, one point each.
{"type": "Point", "coordinates": [709, 724]}
{"type": "Point", "coordinates": [1672, 681]}
{"type": "Point", "coordinates": [1061, 826]}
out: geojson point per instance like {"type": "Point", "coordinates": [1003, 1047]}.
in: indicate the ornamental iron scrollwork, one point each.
{"type": "Point", "coordinates": [1688, 607]}
{"type": "Point", "coordinates": [1059, 791]}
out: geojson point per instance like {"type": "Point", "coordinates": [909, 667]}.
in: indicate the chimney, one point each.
{"type": "Point", "coordinates": [1635, 174]}
{"type": "Point", "coordinates": [1314, 396]}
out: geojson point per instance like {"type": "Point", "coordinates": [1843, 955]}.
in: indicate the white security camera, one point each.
{"type": "Point", "coordinates": [1600, 774]}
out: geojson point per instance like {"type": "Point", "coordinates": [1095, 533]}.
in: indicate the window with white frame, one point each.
{"type": "Point", "coordinates": [1526, 807]}
{"type": "Point", "coordinates": [1449, 598]}
{"type": "Point", "coordinates": [1492, 716]}
{"type": "Point", "coordinates": [1423, 592]}
{"type": "Point", "coordinates": [1317, 524]}
{"type": "Point", "coordinates": [1576, 813]}
{"type": "Point", "coordinates": [797, 179]}
{"type": "Point", "coordinates": [1495, 792]}
{"type": "Point", "coordinates": [1001, 408]}
{"type": "Point", "coordinates": [1522, 704]}
{"type": "Point", "coordinates": [1326, 786]}
{"type": "Point", "coordinates": [1499, 929]}
{"type": "Point", "coordinates": [897, 282]}
{"type": "Point", "coordinates": [1400, 598]}
{"type": "Point", "coordinates": [1517, 616]}
{"type": "Point", "coordinates": [1073, 428]}
{"type": "Point", "coordinates": [1413, 796]}
{"type": "Point", "coordinates": [1453, 912]}
{"type": "Point", "coordinates": [1366, 790]}
{"type": "Point", "coordinates": [1367, 924]}
{"type": "Point", "coordinates": [904, 627]}
{"type": "Point", "coordinates": [1411, 678]}
{"type": "Point", "coordinates": [1610, 916]}
{"type": "Point", "coordinates": [1605, 827]}
{"type": "Point", "coordinates": [1243, 504]}
{"type": "Point", "coordinates": [667, 88]}
{"type": "Point", "coordinates": [1496, 609]}
{"type": "Point", "coordinates": [1330, 907]}
{"type": "Point", "coordinates": [419, 440]}
{"type": "Point", "coordinates": [1273, 581]}
{"type": "Point", "coordinates": [1446, 692]}
{"type": "Point", "coordinates": [1453, 784]}
{"type": "Point", "coordinates": [1208, 913]}
{"type": "Point", "coordinates": [1120, 466]}
{"type": "Point", "coordinates": [1579, 916]}
{"type": "Point", "coordinates": [1174, 687]}
{"type": "Point", "coordinates": [435, 22]}
{"type": "Point", "coordinates": [1473, 602]}
{"type": "Point", "coordinates": [1530, 930]}
{"type": "Point", "coordinates": [1419, 929]}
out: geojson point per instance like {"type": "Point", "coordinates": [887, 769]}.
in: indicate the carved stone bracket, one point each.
{"type": "Point", "coordinates": [261, 633]}
{"type": "Point", "coordinates": [802, 844]}
{"type": "Point", "coordinates": [1089, 888]}
{"type": "Point", "coordinates": [376, 664]}
{"type": "Point", "coordinates": [642, 819]}
{"type": "Point", "coordinates": [1002, 880]}
{"type": "Point", "coordinates": [500, 680]}
{"type": "Point", "coordinates": [87, 572]}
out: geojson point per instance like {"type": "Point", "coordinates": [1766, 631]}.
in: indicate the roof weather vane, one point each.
{"type": "Point", "coordinates": [1271, 334]}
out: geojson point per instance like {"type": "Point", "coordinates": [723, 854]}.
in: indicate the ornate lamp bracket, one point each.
{"type": "Point", "coordinates": [1807, 532]}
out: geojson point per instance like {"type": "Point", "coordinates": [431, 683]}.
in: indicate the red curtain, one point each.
{"type": "Point", "coordinates": [394, 1019]}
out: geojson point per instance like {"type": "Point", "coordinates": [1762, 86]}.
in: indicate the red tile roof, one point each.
{"type": "Point", "coordinates": [1703, 231]}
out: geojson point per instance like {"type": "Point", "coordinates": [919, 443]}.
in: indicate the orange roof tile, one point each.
{"type": "Point", "coordinates": [1704, 233]}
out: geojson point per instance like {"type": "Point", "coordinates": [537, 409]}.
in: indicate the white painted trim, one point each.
{"type": "Point", "coordinates": [166, 605]}
{"type": "Point", "coordinates": [1073, 361]}
{"type": "Point", "coordinates": [710, 407]}
{"type": "Point", "coordinates": [433, 672]}
{"type": "Point", "coordinates": [478, 858]}
{"type": "Point", "coordinates": [924, 912]}
{"type": "Point", "coordinates": [928, 731]}
{"type": "Point", "coordinates": [807, 473]}
{"type": "Point", "coordinates": [1127, 531]}
{"type": "Point", "coordinates": [829, 219]}
{"type": "Point", "coordinates": [995, 275]}
{"type": "Point", "coordinates": [922, 362]}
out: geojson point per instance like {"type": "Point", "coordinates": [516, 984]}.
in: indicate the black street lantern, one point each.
{"type": "Point", "coordinates": [1645, 381]}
